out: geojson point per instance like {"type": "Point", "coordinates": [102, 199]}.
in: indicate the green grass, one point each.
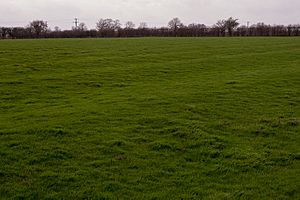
{"type": "Point", "coordinates": [152, 118]}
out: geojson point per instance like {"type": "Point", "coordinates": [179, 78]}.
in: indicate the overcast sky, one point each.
{"type": "Point", "coordinates": [154, 12]}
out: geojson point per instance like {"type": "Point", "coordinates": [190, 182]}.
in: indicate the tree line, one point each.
{"type": "Point", "coordinates": [175, 28]}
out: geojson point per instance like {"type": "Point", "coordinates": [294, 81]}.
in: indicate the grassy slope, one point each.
{"type": "Point", "coordinates": [166, 118]}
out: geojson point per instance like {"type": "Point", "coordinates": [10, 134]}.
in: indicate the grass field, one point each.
{"type": "Point", "coordinates": [152, 118]}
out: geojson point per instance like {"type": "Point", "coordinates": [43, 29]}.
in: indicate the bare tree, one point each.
{"type": "Point", "coordinates": [290, 30]}
{"type": "Point", "coordinates": [261, 29]}
{"type": "Point", "coordinates": [196, 30]}
{"type": "Point", "coordinates": [57, 29]}
{"type": "Point", "coordinates": [4, 32]}
{"type": "Point", "coordinates": [108, 24]}
{"type": "Point", "coordinates": [221, 27]}
{"type": "Point", "coordinates": [103, 24]}
{"type": "Point", "coordinates": [82, 27]}
{"type": "Point", "coordinates": [297, 29]}
{"type": "Point", "coordinates": [175, 24]}
{"type": "Point", "coordinates": [38, 27]}
{"type": "Point", "coordinates": [108, 27]}
{"type": "Point", "coordinates": [117, 25]}
{"type": "Point", "coordinates": [243, 30]}
{"type": "Point", "coordinates": [143, 25]}
{"type": "Point", "coordinates": [112, 28]}
{"type": "Point", "coordinates": [231, 24]}
{"type": "Point", "coordinates": [129, 25]}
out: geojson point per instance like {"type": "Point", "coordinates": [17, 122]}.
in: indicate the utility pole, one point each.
{"type": "Point", "coordinates": [76, 22]}
{"type": "Point", "coordinates": [248, 28]}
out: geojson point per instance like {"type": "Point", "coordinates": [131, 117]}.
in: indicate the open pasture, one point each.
{"type": "Point", "coordinates": [150, 118]}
